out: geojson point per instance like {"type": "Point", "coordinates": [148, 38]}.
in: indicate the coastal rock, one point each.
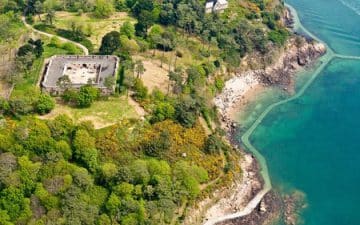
{"type": "Point", "coordinates": [281, 73]}
{"type": "Point", "coordinates": [263, 207]}
{"type": "Point", "coordinates": [288, 19]}
{"type": "Point", "coordinates": [237, 196]}
{"type": "Point", "coordinates": [299, 52]}
{"type": "Point", "coordinates": [293, 204]}
{"type": "Point", "coordinates": [258, 217]}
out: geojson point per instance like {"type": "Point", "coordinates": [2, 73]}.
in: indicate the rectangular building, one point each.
{"type": "Point", "coordinates": [80, 70]}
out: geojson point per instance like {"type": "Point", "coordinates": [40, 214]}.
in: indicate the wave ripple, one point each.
{"type": "Point", "coordinates": [352, 4]}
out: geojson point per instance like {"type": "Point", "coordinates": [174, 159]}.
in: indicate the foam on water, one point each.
{"type": "Point", "coordinates": [352, 4]}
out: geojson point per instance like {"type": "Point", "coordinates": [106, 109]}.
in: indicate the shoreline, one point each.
{"type": "Point", "coordinates": [238, 92]}
{"type": "Point", "coordinates": [243, 88]}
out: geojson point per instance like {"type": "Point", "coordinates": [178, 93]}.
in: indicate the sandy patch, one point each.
{"type": "Point", "coordinates": [248, 97]}
{"type": "Point", "coordinates": [235, 93]}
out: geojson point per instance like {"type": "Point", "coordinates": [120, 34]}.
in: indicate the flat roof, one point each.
{"type": "Point", "coordinates": [209, 4]}
{"type": "Point", "coordinates": [80, 69]}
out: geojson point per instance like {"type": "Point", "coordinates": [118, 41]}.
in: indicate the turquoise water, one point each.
{"type": "Point", "coordinates": [312, 143]}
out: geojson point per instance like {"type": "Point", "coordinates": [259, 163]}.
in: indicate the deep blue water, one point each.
{"type": "Point", "coordinates": [312, 144]}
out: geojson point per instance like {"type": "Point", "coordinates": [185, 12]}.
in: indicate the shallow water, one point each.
{"type": "Point", "coordinates": [312, 143]}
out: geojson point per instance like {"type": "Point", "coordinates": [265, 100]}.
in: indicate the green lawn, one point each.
{"type": "Point", "coordinates": [101, 113]}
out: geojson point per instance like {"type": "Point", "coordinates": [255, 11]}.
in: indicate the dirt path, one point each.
{"type": "Point", "coordinates": [246, 211]}
{"type": "Point", "coordinates": [138, 108]}
{"type": "Point", "coordinates": [84, 49]}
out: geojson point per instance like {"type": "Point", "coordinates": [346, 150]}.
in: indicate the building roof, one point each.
{"type": "Point", "coordinates": [80, 69]}
{"type": "Point", "coordinates": [222, 2]}
{"type": "Point", "coordinates": [209, 4]}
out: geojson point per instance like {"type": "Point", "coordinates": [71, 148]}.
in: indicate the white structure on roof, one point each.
{"type": "Point", "coordinates": [216, 6]}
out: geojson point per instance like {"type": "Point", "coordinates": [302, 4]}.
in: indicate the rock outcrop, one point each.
{"type": "Point", "coordinates": [261, 216]}
{"type": "Point", "coordinates": [300, 52]}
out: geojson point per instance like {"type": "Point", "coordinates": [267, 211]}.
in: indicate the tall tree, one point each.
{"type": "Point", "coordinates": [139, 68]}
{"type": "Point", "coordinates": [38, 8]}
{"type": "Point", "coordinates": [127, 29]}
{"type": "Point", "coordinates": [110, 43]}
{"type": "Point", "coordinates": [50, 15]}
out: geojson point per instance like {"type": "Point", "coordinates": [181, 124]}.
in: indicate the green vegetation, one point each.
{"type": "Point", "coordinates": [11, 27]}
{"type": "Point", "coordinates": [75, 34]}
{"type": "Point", "coordinates": [82, 98]}
{"type": "Point", "coordinates": [88, 176]}
{"type": "Point", "coordinates": [26, 96]}
{"type": "Point", "coordinates": [61, 170]}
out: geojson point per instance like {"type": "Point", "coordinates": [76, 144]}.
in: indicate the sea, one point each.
{"type": "Point", "coordinates": [309, 142]}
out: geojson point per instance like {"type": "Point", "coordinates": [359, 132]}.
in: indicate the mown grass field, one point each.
{"type": "Point", "coordinates": [101, 113]}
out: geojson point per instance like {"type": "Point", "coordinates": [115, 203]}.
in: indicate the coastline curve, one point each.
{"type": "Point", "coordinates": [245, 138]}
{"type": "Point", "coordinates": [324, 60]}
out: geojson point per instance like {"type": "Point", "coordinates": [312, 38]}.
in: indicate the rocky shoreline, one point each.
{"type": "Point", "coordinates": [266, 212]}
{"type": "Point", "coordinates": [299, 52]}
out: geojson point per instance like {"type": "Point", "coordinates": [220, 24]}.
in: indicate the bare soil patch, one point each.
{"type": "Point", "coordinates": [155, 76]}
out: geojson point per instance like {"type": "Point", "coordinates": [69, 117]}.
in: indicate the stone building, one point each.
{"type": "Point", "coordinates": [216, 6]}
{"type": "Point", "coordinates": [80, 70]}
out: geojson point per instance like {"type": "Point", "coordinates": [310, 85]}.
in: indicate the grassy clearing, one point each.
{"type": "Point", "coordinates": [101, 113]}
{"type": "Point", "coordinates": [95, 28]}
{"type": "Point", "coordinates": [192, 49]}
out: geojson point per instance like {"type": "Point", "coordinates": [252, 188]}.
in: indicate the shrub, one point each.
{"type": "Point", "coordinates": [163, 111]}
{"type": "Point", "coordinates": [128, 30]}
{"type": "Point", "coordinates": [44, 104]}
{"type": "Point", "coordinates": [209, 68]}
{"type": "Point", "coordinates": [219, 83]}
{"type": "Point", "coordinates": [63, 148]}
{"type": "Point", "coordinates": [141, 92]}
{"type": "Point", "coordinates": [21, 106]}
{"type": "Point", "coordinates": [55, 42]}
{"type": "Point", "coordinates": [103, 8]}
{"type": "Point", "coordinates": [158, 145]}
{"type": "Point", "coordinates": [70, 48]}
{"type": "Point", "coordinates": [69, 96]}
{"type": "Point", "coordinates": [86, 96]}
{"type": "Point", "coordinates": [278, 37]}
{"type": "Point", "coordinates": [213, 144]}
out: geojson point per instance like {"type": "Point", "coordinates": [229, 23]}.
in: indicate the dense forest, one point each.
{"type": "Point", "coordinates": [62, 171]}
